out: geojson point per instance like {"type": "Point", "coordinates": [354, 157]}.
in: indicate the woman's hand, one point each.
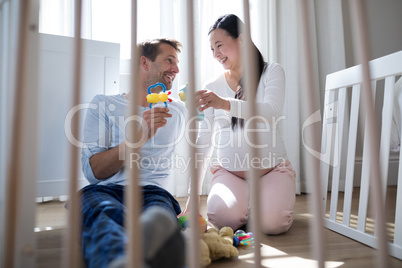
{"type": "Point", "coordinates": [207, 99]}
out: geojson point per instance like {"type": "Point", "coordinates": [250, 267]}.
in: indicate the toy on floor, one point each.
{"type": "Point", "coordinates": [241, 238]}
{"type": "Point", "coordinates": [216, 245]}
{"type": "Point", "coordinates": [184, 222]}
{"type": "Point", "coordinates": [183, 98]}
{"type": "Point", "coordinates": [153, 98]}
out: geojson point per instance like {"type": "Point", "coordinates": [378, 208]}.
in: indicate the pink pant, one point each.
{"type": "Point", "coordinates": [228, 201]}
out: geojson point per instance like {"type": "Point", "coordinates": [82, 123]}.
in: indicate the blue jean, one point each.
{"type": "Point", "coordinates": [103, 233]}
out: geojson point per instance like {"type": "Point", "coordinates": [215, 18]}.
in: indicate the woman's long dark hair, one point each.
{"type": "Point", "coordinates": [231, 23]}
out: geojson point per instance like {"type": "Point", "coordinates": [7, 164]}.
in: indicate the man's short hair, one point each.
{"type": "Point", "coordinates": [150, 48]}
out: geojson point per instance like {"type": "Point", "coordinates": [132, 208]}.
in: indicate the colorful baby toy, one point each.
{"type": "Point", "coordinates": [241, 238]}
{"type": "Point", "coordinates": [184, 222]}
{"type": "Point", "coordinates": [183, 98]}
{"type": "Point", "coordinates": [153, 98]}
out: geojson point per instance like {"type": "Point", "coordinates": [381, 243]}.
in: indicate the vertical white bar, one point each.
{"type": "Point", "coordinates": [337, 169]}
{"type": "Point", "coordinates": [273, 36]}
{"type": "Point", "coordinates": [350, 166]}
{"type": "Point", "coordinates": [248, 56]}
{"type": "Point", "coordinates": [366, 172]}
{"type": "Point", "coordinates": [386, 127]}
{"type": "Point", "coordinates": [4, 39]}
{"type": "Point", "coordinates": [194, 259]}
{"type": "Point", "coordinates": [74, 220]}
{"type": "Point", "coordinates": [27, 105]}
{"type": "Point", "coordinates": [361, 43]}
{"type": "Point", "coordinates": [326, 148]}
{"type": "Point", "coordinates": [316, 229]}
{"type": "Point", "coordinates": [3, 121]}
{"type": "Point", "coordinates": [364, 184]}
{"type": "Point", "coordinates": [398, 209]}
{"type": "Point", "coordinates": [133, 196]}
{"type": "Point", "coordinates": [29, 165]}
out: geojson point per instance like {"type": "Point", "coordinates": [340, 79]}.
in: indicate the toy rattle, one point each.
{"type": "Point", "coordinates": [242, 238]}
{"type": "Point", "coordinates": [183, 98]}
{"type": "Point", "coordinates": [153, 98]}
{"type": "Point", "coordinates": [184, 222]}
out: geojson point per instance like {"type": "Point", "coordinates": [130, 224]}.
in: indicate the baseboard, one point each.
{"type": "Point", "coordinates": [392, 171]}
{"type": "Point", "coordinates": [56, 187]}
{"type": "Point", "coordinates": [392, 175]}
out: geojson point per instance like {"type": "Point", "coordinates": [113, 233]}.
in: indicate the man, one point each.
{"type": "Point", "coordinates": [103, 234]}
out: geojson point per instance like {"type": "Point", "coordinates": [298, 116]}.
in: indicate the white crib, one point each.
{"type": "Point", "coordinates": [18, 249]}
{"type": "Point", "coordinates": [339, 138]}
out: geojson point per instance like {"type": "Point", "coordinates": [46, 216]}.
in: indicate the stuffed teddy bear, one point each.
{"type": "Point", "coordinates": [215, 245]}
{"type": "Point", "coordinates": [205, 258]}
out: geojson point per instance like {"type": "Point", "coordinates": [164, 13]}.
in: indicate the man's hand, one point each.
{"type": "Point", "coordinates": [107, 163]}
{"type": "Point", "coordinates": [153, 119]}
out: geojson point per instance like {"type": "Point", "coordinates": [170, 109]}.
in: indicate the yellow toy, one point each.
{"type": "Point", "coordinates": [153, 98]}
{"type": "Point", "coordinates": [215, 245]}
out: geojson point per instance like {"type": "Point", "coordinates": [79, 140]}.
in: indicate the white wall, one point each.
{"type": "Point", "coordinates": [100, 76]}
{"type": "Point", "coordinates": [384, 24]}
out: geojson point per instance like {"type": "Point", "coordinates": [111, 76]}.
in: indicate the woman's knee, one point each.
{"type": "Point", "coordinates": [221, 214]}
{"type": "Point", "coordinates": [234, 221]}
{"type": "Point", "coordinates": [276, 223]}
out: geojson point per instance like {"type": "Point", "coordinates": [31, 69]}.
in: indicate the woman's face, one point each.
{"type": "Point", "coordinates": [225, 49]}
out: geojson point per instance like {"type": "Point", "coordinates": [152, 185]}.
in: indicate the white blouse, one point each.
{"type": "Point", "coordinates": [233, 146]}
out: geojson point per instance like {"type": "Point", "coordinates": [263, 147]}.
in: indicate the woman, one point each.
{"type": "Point", "coordinates": [227, 124]}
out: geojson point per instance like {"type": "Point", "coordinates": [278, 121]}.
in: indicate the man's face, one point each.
{"type": "Point", "coordinates": [164, 68]}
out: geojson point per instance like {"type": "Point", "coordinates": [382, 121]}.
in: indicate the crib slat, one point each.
{"type": "Point", "coordinates": [398, 210]}
{"type": "Point", "coordinates": [273, 36]}
{"type": "Point", "coordinates": [133, 197]}
{"type": "Point", "coordinates": [326, 147]}
{"type": "Point", "coordinates": [15, 201]}
{"type": "Point", "coordinates": [194, 247]}
{"type": "Point", "coordinates": [250, 68]}
{"type": "Point", "coordinates": [386, 130]}
{"type": "Point", "coordinates": [365, 176]}
{"type": "Point", "coordinates": [362, 48]}
{"type": "Point", "coordinates": [338, 152]}
{"type": "Point", "coordinates": [25, 243]}
{"type": "Point", "coordinates": [350, 163]}
{"type": "Point", "coordinates": [3, 117]}
{"type": "Point", "coordinates": [73, 233]}
{"type": "Point", "coordinates": [316, 229]}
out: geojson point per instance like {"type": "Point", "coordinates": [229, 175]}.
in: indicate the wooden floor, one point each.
{"type": "Point", "coordinates": [287, 250]}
